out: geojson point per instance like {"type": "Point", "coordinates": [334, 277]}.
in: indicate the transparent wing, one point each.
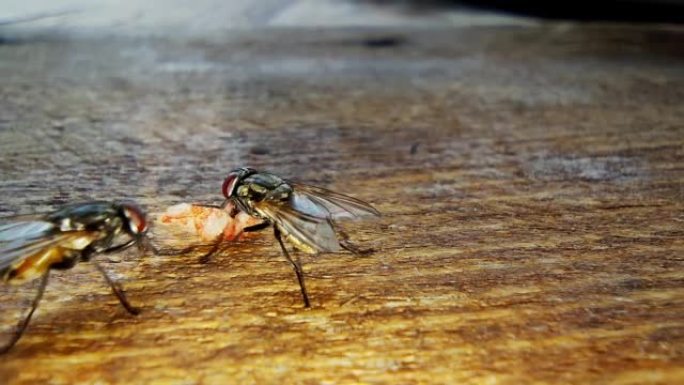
{"type": "Point", "coordinates": [20, 240]}
{"type": "Point", "coordinates": [312, 231]}
{"type": "Point", "coordinates": [24, 230]}
{"type": "Point", "coordinates": [323, 203]}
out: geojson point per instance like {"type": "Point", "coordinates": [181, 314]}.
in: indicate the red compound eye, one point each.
{"type": "Point", "coordinates": [136, 218]}
{"type": "Point", "coordinates": [229, 185]}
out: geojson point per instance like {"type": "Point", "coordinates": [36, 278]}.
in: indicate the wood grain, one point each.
{"type": "Point", "coordinates": [530, 180]}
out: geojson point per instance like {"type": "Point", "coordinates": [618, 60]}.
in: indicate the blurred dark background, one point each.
{"type": "Point", "coordinates": [658, 11]}
{"type": "Point", "coordinates": [212, 17]}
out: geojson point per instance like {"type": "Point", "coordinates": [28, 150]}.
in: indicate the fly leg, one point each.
{"type": "Point", "coordinates": [217, 242]}
{"type": "Point", "coordinates": [115, 248]}
{"type": "Point", "coordinates": [295, 265]}
{"type": "Point", "coordinates": [214, 248]}
{"type": "Point", "coordinates": [21, 327]}
{"type": "Point", "coordinates": [145, 244]}
{"type": "Point", "coordinates": [220, 207]}
{"type": "Point", "coordinates": [256, 227]}
{"type": "Point", "coordinates": [219, 239]}
{"type": "Point", "coordinates": [116, 289]}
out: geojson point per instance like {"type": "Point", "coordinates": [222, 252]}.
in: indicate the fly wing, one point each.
{"type": "Point", "coordinates": [321, 202]}
{"type": "Point", "coordinates": [312, 231]}
{"type": "Point", "coordinates": [20, 240]}
{"type": "Point", "coordinates": [24, 230]}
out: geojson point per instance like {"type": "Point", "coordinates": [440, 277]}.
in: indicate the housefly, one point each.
{"type": "Point", "coordinates": [32, 246]}
{"type": "Point", "coordinates": [301, 215]}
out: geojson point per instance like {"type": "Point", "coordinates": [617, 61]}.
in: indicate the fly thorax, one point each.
{"type": "Point", "coordinates": [112, 226]}
{"type": "Point", "coordinates": [281, 193]}
{"type": "Point", "coordinates": [257, 192]}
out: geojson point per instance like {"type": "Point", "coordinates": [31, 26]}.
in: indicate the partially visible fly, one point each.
{"type": "Point", "coordinates": [31, 247]}
{"type": "Point", "coordinates": [300, 214]}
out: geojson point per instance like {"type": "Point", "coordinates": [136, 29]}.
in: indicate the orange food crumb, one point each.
{"type": "Point", "coordinates": [208, 222]}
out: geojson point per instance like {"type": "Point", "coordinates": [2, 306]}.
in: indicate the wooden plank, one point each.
{"type": "Point", "coordinates": [530, 180]}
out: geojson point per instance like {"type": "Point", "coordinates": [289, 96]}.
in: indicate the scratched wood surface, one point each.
{"type": "Point", "coordinates": [531, 181]}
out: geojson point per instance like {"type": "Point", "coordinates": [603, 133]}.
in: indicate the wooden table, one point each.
{"type": "Point", "coordinates": [531, 181]}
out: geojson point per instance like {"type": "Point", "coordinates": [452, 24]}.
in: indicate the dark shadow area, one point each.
{"type": "Point", "coordinates": [645, 11]}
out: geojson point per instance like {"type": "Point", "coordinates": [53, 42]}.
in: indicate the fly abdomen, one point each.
{"type": "Point", "coordinates": [34, 266]}
{"type": "Point", "coordinates": [294, 241]}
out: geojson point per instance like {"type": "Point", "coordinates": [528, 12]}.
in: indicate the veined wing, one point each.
{"type": "Point", "coordinates": [20, 240]}
{"type": "Point", "coordinates": [324, 203]}
{"type": "Point", "coordinates": [24, 230]}
{"type": "Point", "coordinates": [312, 232]}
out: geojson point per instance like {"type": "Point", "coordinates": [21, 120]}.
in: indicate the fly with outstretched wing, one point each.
{"type": "Point", "coordinates": [301, 215]}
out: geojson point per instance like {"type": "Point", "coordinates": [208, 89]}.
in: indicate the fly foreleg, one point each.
{"type": "Point", "coordinates": [117, 290]}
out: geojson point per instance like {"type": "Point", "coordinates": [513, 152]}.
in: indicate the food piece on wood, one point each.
{"type": "Point", "coordinates": [205, 223]}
